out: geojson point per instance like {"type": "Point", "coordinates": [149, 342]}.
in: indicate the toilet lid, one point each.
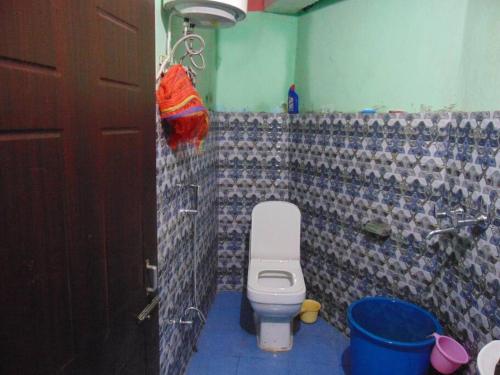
{"type": "Point", "coordinates": [275, 232]}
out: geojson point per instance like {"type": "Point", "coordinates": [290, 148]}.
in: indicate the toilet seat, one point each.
{"type": "Point", "coordinates": [275, 291]}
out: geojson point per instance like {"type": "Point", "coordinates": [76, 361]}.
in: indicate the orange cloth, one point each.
{"type": "Point", "coordinates": [184, 117]}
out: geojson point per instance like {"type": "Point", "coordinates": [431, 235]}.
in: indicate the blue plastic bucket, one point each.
{"type": "Point", "coordinates": [390, 337]}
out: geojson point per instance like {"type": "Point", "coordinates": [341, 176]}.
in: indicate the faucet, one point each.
{"type": "Point", "coordinates": [451, 215]}
{"type": "Point", "coordinates": [196, 189]}
{"type": "Point", "coordinates": [439, 231]}
{"type": "Point", "coordinates": [457, 220]}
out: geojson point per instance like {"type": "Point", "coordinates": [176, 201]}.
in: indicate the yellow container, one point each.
{"type": "Point", "coordinates": [309, 311]}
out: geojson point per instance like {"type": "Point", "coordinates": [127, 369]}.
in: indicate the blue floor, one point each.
{"type": "Point", "coordinates": [224, 348]}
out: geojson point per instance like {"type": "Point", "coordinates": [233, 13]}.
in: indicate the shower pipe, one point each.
{"type": "Point", "coordinates": [193, 212]}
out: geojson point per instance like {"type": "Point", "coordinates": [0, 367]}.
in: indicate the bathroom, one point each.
{"type": "Point", "coordinates": [124, 253]}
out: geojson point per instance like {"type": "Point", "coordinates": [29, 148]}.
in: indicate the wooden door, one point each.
{"type": "Point", "coordinates": [77, 186]}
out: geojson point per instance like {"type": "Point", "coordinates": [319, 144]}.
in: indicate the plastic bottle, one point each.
{"type": "Point", "coordinates": [293, 100]}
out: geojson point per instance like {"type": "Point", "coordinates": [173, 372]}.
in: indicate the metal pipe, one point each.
{"type": "Point", "coordinates": [186, 211]}
{"type": "Point", "coordinates": [481, 219]}
{"type": "Point", "coordinates": [200, 314]}
{"type": "Point", "coordinates": [180, 321]}
{"type": "Point", "coordinates": [439, 231]}
{"type": "Point", "coordinates": [197, 310]}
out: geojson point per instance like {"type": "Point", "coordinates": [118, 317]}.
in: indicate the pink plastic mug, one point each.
{"type": "Point", "coordinates": [447, 355]}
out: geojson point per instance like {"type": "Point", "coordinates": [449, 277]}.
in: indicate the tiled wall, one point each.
{"type": "Point", "coordinates": [175, 244]}
{"type": "Point", "coordinates": [252, 167]}
{"type": "Point", "coordinates": [346, 170]}
{"type": "Point", "coordinates": [343, 170]}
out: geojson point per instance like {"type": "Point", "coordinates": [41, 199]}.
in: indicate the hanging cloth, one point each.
{"type": "Point", "coordinates": [183, 116]}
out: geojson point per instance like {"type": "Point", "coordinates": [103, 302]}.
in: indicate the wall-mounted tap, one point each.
{"type": "Point", "coordinates": [196, 189]}
{"type": "Point", "coordinates": [452, 215]}
{"type": "Point", "coordinates": [439, 231]}
{"type": "Point", "coordinates": [457, 220]}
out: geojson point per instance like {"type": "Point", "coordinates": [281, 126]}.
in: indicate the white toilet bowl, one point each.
{"type": "Point", "coordinates": [275, 286]}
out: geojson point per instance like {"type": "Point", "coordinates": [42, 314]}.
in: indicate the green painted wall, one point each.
{"type": "Point", "coordinates": [481, 57]}
{"type": "Point", "coordinates": [206, 79]}
{"type": "Point", "coordinates": [256, 63]}
{"type": "Point", "coordinates": [345, 55]}
{"type": "Point", "coordinates": [385, 54]}
{"type": "Point", "coordinates": [400, 54]}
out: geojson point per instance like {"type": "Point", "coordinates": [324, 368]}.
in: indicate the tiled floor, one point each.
{"type": "Point", "coordinates": [224, 348]}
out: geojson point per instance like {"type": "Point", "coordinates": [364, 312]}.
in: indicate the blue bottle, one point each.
{"type": "Point", "coordinates": [293, 100]}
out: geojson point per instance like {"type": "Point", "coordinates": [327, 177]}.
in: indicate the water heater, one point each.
{"type": "Point", "coordinates": [209, 13]}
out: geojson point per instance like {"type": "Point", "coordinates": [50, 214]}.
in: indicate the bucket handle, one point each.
{"type": "Point", "coordinates": [435, 335]}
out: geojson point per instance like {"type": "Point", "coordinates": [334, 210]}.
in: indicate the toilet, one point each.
{"type": "Point", "coordinates": [275, 285]}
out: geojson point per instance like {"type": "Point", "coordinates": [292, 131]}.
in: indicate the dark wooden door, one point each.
{"type": "Point", "coordinates": [77, 186]}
